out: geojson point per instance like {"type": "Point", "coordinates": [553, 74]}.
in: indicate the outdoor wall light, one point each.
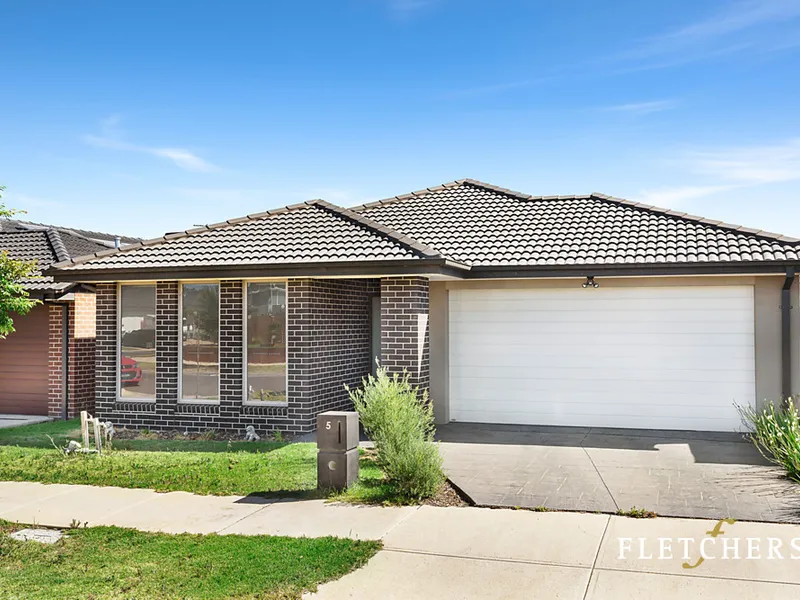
{"type": "Point", "coordinates": [590, 282]}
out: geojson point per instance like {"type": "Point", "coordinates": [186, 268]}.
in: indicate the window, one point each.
{"type": "Point", "coordinates": [200, 348]}
{"type": "Point", "coordinates": [265, 342]}
{"type": "Point", "coordinates": [137, 342]}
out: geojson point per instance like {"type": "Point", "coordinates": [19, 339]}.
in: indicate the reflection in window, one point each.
{"type": "Point", "coordinates": [200, 317]}
{"type": "Point", "coordinates": [137, 348]}
{"type": "Point", "coordinates": [266, 342]}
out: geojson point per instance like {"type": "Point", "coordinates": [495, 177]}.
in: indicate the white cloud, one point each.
{"type": "Point", "coordinates": [750, 165]}
{"type": "Point", "coordinates": [729, 168]}
{"type": "Point", "coordinates": [674, 197]}
{"type": "Point", "coordinates": [181, 157]}
{"type": "Point", "coordinates": [738, 17]}
{"type": "Point", "coordinates": [643, 108]}
{"type": "Point", "coordinates": [741, 26]}
{"type": "Point", "coordinates": [27, 202]}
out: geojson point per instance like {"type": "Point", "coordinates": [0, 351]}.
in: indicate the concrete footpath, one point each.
{"type": "Point", "coordinates": [462, 553]}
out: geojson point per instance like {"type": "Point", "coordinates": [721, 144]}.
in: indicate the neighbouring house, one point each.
{"type": "Point", "coordinates": [560, 310]}
{"type": "Point", "coordinates": [47, 364]}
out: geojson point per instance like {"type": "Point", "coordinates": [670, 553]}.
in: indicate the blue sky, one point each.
{"type": "Point", "coordinates": [146, 117]}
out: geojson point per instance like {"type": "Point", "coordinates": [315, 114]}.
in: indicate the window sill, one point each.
{"type": "Point", "coordinates": [136, 400]}
{"type": "Point", "coordinates": [265, 403]}
{"type": "Point", "coordinates": [199, 401]}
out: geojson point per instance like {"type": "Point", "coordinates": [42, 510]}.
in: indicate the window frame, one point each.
{"type": "Point", "coordinates": [181, 399]}
{"type": "Point", "coordinates": [245, 389]}
{"type": "Point", "coordinates": [118, 358]}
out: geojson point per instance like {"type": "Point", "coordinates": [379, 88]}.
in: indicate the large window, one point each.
{"type": "Point", "coordinates": [265, 342]}
{"type": "Point", "coordinates": [137, 342]}
{"type": "Point", "coordinates": [200, 349]}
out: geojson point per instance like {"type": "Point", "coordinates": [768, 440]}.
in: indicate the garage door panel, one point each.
{"type": "Point", "coordinates": [652, 328]}
{"type": "Point", "coordinates": [725, 359]}
{"type": "Point", "coordinates": [513, 300]}
{"type": "Point", "coordinates": [501, 353]}
{"type": "Point", "coordinates": [559, 374]}
{"type": "Point", "coordinates": [676, 357]}
{"type": "Point", "coordinates": [24, 365]}
{"type": "Point", "coordinates": [724, 423]}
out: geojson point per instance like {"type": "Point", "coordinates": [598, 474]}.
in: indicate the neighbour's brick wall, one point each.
{"type": "Point", "coordinates": [328, 345]}
{"type": "Point", "coordinates": [405, 327]}
{"type": "Point", "coordinates": [82, 333]}
{"type": "Point", "coordinates": [55, 361]}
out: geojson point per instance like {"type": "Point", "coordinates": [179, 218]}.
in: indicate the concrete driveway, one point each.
{"type": "Point", "coordinates": [7, 420]}
{"type": "Point", "coordinates": [673, 473]}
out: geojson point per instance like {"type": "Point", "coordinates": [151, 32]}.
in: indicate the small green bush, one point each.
{"type": "Point", "coordinates": [775, 431]}
{"type": "Point", "coordinates": [401, 425]}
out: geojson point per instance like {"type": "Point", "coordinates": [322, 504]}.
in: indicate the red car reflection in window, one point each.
{"type": "Point", "coordinates": [130, 373]}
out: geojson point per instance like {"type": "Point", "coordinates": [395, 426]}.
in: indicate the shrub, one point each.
{"type": "Point", "coordinates": [401, 425]}
{"type": "Point", "coordinates": [775, 431]}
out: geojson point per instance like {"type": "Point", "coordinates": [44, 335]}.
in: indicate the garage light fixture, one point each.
{"type": "Point", "coordinates": [590, 282]}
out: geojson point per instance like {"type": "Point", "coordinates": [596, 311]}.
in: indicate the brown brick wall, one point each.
{"type": "Point", "coordinates": [405, 327]}
{"type": "Point", "coordinates": [329, 345]}
{"type": "Point", "coordinates": [82, 334]}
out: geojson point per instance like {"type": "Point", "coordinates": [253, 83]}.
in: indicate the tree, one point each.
{"type": "Point", "coordinates": [13, 297]}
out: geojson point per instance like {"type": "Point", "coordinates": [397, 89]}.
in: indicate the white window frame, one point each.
{"type": "Point", "coordinates": [245, 389]}
{"type": "Point", "coordinates": [181, 399]}
{"type": "Point", "coordinates": [118, 359]}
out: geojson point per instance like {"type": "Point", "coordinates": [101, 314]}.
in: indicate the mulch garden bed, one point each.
{"type": "Point", "coordinates": [448, 495]}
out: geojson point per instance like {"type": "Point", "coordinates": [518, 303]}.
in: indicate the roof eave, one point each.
{"type": "Point", "coordinates": [374, 268]}
{"type": "Point", "coordinates": [631, 269]}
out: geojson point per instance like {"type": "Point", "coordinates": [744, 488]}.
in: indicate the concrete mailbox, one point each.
{"type": "Point", "coordinates": [337, 449]}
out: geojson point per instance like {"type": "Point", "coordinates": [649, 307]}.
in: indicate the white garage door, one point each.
{"type": "Point", "coordinates": [664, 358]}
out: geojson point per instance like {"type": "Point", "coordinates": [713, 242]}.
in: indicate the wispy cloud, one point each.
{"type": "Point", "coordinates": [643, 108]}
{"type": "Point", "coordinates": [675, 197]}
{"type": "Point", "coordinates": [112, 138]}
{"type": "Point", "coordinates": [751, 165]}
{"type": "Point", "coordinates": [28, 202]}
{"type": "Point", "coordinates": [729, 168]}
{"type": "Point", "coordinates": [736, 28]}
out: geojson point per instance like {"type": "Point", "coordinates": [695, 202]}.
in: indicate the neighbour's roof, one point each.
{"type": "Point", "coordinates": [311, 232]}
{"type": "Point", "coordinates": [485, 226]}
{"type": "Point", "coordinates": [45, 245]}
{"type": "Point", "coordinates": [465, 229]}
{"type": "Point", "coordinates": [9, 225]}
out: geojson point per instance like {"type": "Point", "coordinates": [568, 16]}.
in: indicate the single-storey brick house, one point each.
{"type": "Point", "coordinates": [47, 364]}
{"type": "Point", "coordinates": [563, 310]}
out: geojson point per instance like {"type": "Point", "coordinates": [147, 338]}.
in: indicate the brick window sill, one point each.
{"type": "Point", "coordinates": [135, 400]}
{"type": "Point", "coordinates": [265, 403]}
{"type": "Point", "coordinates": [199, 401]}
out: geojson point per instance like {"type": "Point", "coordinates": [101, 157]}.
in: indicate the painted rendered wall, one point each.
{"type": "Point", "coordinates": [766, 315]}
{"type": "Point", "coordinates": [440, 379]}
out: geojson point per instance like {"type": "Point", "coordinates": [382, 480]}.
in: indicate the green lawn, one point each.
{"type": "Point", "coordinates": [201, 467]}
{"type": "Point", "coordinates": [109, 562]}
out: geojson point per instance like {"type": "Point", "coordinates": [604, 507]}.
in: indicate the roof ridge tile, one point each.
{"type": "Point", "coordinates": [60, 250]}
{"type": "Point", "coordinates": [422, 249]}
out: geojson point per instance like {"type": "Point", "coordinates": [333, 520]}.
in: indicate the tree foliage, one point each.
{"type": "Point", "coordinates": [13, 296]}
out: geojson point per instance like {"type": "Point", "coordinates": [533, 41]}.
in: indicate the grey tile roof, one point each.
{"type": "Point", "coordinates": [464, 224]}
{"type": "Point", "coordinates": [311, 232]}
{"type": "Point", "coordinates": [46, 247]}
{"type": "Point", "coordinates": [483, 225]}
{"type": "Point", "coordinates": [10, 225]}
